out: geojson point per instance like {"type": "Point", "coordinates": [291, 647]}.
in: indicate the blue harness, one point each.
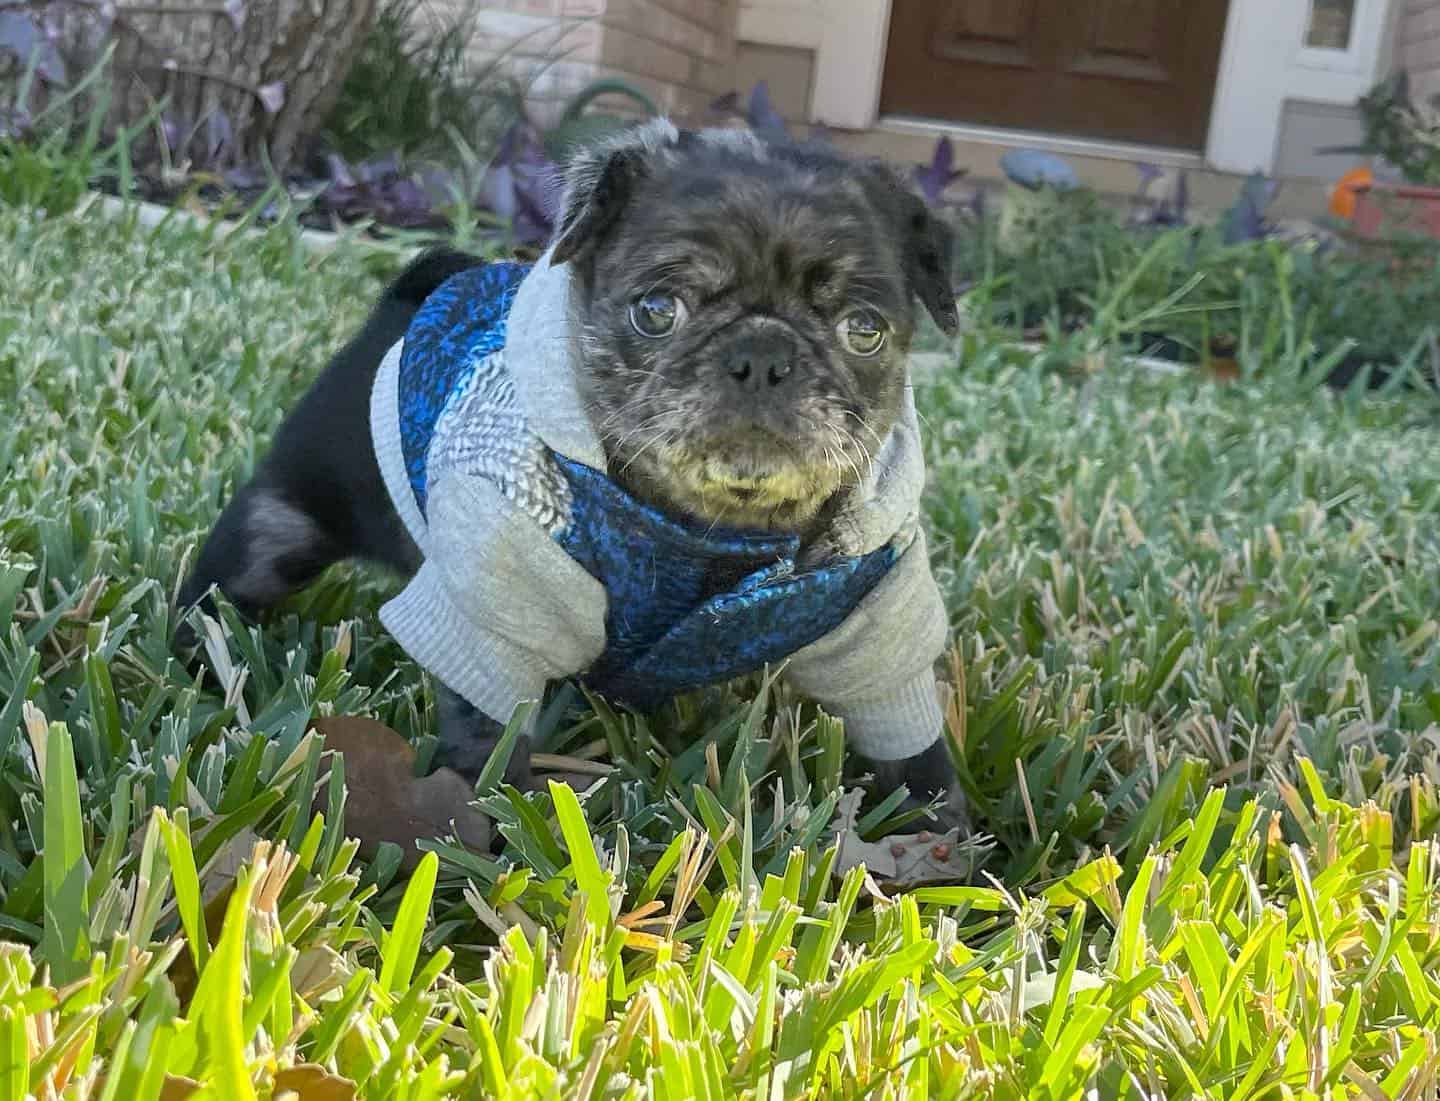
{"type": "Point", "coordinates": [685, 607]}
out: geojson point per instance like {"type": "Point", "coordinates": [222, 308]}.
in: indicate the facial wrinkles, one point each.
{"type": "Point", "coordinates": [751, 251]}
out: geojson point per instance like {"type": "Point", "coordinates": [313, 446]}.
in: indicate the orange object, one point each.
{"type": "Point", "coordinates": [1343, 198]}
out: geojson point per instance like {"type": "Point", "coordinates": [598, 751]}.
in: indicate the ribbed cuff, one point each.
{"type": "Point", "coordinates": [895, 727]}
{"type": "Point", "coordinates": [385, 439]}
{"type": "Point", "coordinates": [489, 672]}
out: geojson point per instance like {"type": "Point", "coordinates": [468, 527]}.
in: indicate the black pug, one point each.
{"type": "Point", "coordinates": [679, 448]}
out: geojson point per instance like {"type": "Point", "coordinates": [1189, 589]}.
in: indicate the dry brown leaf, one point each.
{"type": "Point", "coordinates": [176, 1088]}
{"type": "Point", "coordinates": [388, 802]}
{"type": "Point", "coordinates": [907, 860]}
{"type": "Point", "coordinates": [182, 972]}
{"type": "Point", "coordinates": [225, 865]}
{"type": "Point", "coordinates": [317, 972]}
{"type": "Point", "coordinates": [901, 860]}
{"type": "Point", "coordinates": [312, 1082]}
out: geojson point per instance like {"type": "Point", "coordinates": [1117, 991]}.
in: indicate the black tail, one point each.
{"type": "Point", "coordinates": [425, 274]}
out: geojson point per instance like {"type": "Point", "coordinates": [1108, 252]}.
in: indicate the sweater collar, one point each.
{"type": "Point", "coordinates": [542, 355]}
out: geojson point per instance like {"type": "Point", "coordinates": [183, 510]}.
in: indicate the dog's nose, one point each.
{"type": "Point", "coordinates": [760, 361]}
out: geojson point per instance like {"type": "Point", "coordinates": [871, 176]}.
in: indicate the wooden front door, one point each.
{"type": "Point", "coordinates": [1126, 70]}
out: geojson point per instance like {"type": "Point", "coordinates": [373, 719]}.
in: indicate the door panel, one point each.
{"type": "Point", "coordinates": [987, 31]}
{"type": "Point", "coordinates": [1122, 39]}
{"type": "Point", "coordinates": [1131, 70]}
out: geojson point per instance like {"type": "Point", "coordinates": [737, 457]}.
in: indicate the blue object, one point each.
{"type": "Point", "coordinates": [687, 607]}
{"type": "Point", "coordinates": [459, 325]}
{"type": "Point", "coordinates": [1033, 169]}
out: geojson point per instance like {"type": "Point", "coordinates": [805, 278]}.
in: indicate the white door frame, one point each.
{"type": "Point", "coordinates": [1263, 63]}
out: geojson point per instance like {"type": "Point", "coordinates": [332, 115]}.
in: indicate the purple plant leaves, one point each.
{"type": "Point", "coordinates": [1245, 221]}
{"type": "Point", "coordinates": [22, 36]}
{"type": "Point", "coordinates": [235, 12]}
{"type": "Point", "coordinates": [1165, 212]}
{"type": "Point", "coordinates": [408, 202]}
{"type": "Point", "coordinates": [174, 131]}
{"type": "Point", "coordinates": [378, 171]}
{"type": "Point", "coordinates": [340, 174]}
{"type": "Point", "coordinates": [378, 189]}
{"type": "Point", "coordinates": [245, 177]}
{"type": "Point", "coordinates": [271, 96]}
{"type": "Point", "coordinates": [523, 186]}
{"type": "Point", "coordinates": [935, 178]}
{"type": "Point", "coordinates": [1149, 173]}
{"type": "Point", "coordinates": [760, 113]}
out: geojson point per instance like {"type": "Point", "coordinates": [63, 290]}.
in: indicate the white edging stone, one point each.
{"type": "Point", "coordinates": [150, 215]}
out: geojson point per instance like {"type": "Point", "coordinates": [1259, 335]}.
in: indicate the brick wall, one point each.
{"type": "Point", "coordinates": [1418, 45]}
{"type": "Point", "coordinates": [679, 52]}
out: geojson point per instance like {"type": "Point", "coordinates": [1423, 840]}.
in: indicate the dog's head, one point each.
{"type": "Point", "coordinates": [745, 311]}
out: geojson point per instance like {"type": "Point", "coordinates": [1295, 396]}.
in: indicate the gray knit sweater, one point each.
{"type": "Point", "coordinates": [538, 568]}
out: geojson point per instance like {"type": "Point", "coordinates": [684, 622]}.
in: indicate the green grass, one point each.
{"type": "Point", "coordinates": [1198, 622]}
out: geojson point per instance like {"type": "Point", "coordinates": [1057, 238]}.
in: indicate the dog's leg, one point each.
{"type": "Point", "coordinates": [319, 496]}
{"type": "Point", "coordinates": [264, 547]}
{"type": "Point", "coordinates": [468, 736]}
{"type": "Point", "coordinates": [928, 775]}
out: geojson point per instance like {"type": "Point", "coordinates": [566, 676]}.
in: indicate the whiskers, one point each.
{"type": "Point", "coordinates": [620, 438]}
{"type": "Point", "coordinates": [658, 447]}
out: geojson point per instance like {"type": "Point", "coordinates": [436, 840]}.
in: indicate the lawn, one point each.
{"type": "Point", "coordinates": [1197, 700]}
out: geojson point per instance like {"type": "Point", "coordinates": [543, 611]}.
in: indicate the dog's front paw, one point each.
{"type": "Point", "coordinates": [933, 785]}
{"type": "Point", "coordinates": [468, 737]}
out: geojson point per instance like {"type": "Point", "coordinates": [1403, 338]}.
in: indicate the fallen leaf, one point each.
{"type": "Point", "coordinates": [388, 802]}
{"type": "Point", "coordinates": [317, 972]}
{"type": "Point", "coordinates": [312, 1082]}
{"type": "Point", "coordinates": [271, 96]}
{"type": "Point", "coordinates": [225, 865]}
{"type": "Point", "coordinates": [904, 860]}
{"type": "Point", "coordinates": [901, 860]}
{"type": "Point", "coordinates": [175, 1088]}
{"type": "Point", "coordinates": [1040, 990]}
{"type": "Point", "coordinates": [182, 972]}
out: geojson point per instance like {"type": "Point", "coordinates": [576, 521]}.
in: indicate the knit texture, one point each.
{"type": "Point", "coordinates": [539, 567]}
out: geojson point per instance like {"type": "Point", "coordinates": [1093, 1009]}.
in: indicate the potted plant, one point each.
{"type": "Point", "coordinates": [1406, 134]}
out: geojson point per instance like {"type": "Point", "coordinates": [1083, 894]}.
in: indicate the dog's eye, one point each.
{"type": "Point", "coordinates": [656, 315]}
{"type": "Point", "coordinates": [863, 332]}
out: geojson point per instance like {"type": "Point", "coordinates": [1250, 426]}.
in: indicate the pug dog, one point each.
{"type": "Point", "coordinates": [679, 448]}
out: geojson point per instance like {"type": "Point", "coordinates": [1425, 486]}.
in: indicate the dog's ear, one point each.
{"type": "Point", "coordinates": [929, 262]}
{"type": "Point", "coordinates": [599, 182]}
{"type": "Point", "coordinates": [927, 244]}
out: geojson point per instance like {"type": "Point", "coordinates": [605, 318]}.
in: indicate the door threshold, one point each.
{"type": "Point", "coordinates": [1162, 156]}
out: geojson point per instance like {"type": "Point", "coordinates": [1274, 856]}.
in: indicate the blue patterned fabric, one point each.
{"type": "Point", "coordinates": [684, 608]}
{"type": "Point", "coordinates": [687, 609]}
{"type": "Point", "coordinates": [457, 327]}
